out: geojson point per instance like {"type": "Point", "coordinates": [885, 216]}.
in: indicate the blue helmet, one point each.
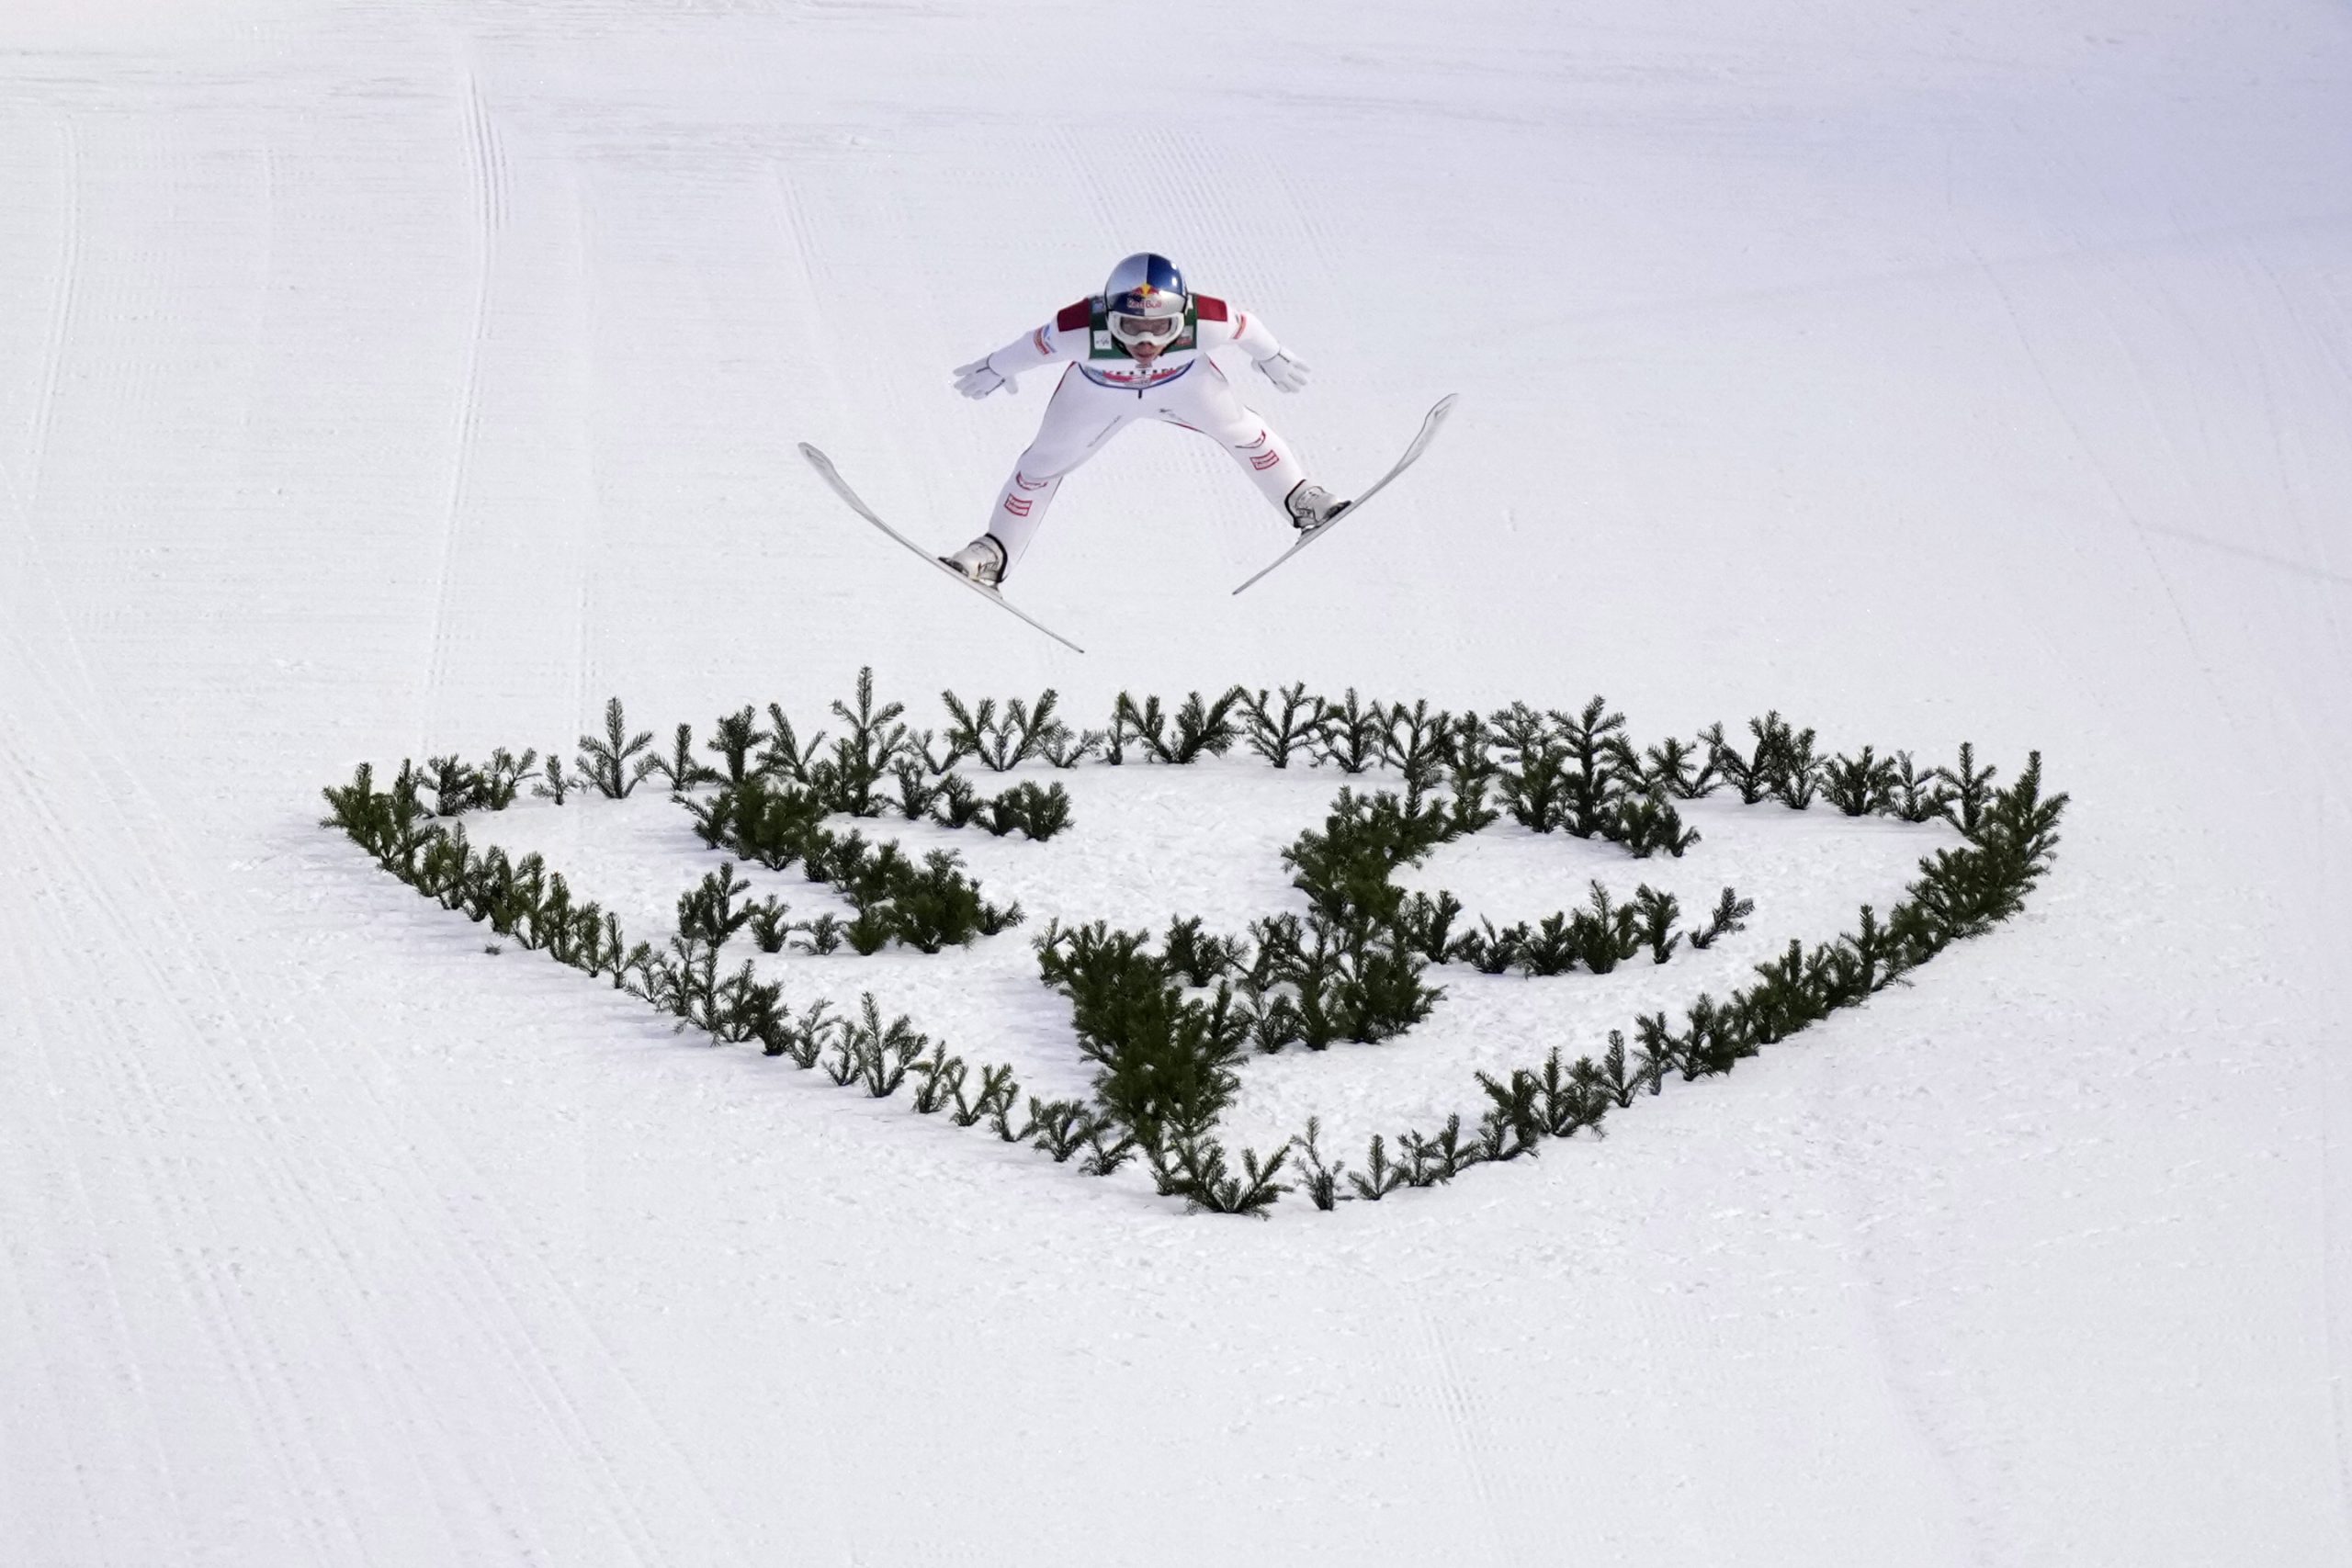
{"type": "Point", "coordinates": [1145, 299]}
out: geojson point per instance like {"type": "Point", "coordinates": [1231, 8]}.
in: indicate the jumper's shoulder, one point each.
{"type": "Point", "coordinates": [1208, 307]}
{"type": "Point", "coordinates": [1075, 318]}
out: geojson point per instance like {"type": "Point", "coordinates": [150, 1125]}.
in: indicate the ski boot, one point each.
{"type": "Point", "coordinates": [1312, 507]}
{"type": "Point", "coordinates": [982, 560]}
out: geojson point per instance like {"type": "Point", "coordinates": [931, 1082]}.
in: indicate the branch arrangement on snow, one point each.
{"type": "Point", "coordinates": [2012, 840]}
{"type": "Point", "coordinates": [1352, 967]}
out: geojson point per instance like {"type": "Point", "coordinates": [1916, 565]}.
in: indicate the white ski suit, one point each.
{"type": "Point", "coordinates": [1104, 388]}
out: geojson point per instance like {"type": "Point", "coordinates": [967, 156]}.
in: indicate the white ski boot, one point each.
{"type": "Point", "coordinates": [982, 560]}
{"type": "Point", "coordinates": [1311, 506]}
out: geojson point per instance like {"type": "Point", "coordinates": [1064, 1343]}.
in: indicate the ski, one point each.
{"type": "Point", "coordinates": [831, 476]}
{"type": "Point", "coordinates": [1430, 423]}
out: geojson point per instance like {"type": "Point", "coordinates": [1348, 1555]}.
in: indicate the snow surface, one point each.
{"type": "Point", "coordinates": [378, 380]}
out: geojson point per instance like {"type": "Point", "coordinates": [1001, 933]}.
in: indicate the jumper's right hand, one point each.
{"type": "Point", "coordinates": [977, 379]}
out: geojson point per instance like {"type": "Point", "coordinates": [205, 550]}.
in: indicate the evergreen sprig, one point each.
{"type": "Point", "coordinates": [612, 764]}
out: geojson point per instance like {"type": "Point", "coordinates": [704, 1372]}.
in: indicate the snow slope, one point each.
{"type": "Point", "coordinates": [377, 379]}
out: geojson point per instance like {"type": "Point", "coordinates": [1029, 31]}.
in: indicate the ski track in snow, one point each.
{"type": "Point", "coordinates": [390, 380]}
{"type": "Point", "coordinates": [486, 173]}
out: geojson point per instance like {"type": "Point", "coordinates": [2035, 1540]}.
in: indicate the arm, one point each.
{"type": "Point", "coordinates": [1218, 324]}
{"type": "Point", "coordinates": [1064, 337]}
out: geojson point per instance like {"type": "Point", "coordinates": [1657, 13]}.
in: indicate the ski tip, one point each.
{"type": "Point", "coordinates": [813, 455]}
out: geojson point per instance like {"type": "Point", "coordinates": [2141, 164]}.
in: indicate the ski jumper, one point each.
{"type": "Point", "coordinates": [1104, 388]}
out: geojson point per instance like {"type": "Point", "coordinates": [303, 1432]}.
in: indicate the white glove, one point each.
{"type": "Point", "coordinates": [977, 379]}
{"type": "Point", "coordinates": [1287, 374]}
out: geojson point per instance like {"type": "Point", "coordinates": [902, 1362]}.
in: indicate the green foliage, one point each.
{"type": "Point", "coordinates": [680, 768]}
{"type": "Point", "coordinates": [937, 1078]}
{"type": "Point", "coordinates": [1379, 1178]}
{"type": "Point", "coordinates": [1619, 1079]}
{"type": "Point", "coordinates": [882, 1054]}
{"type": "Point", "coordinates": [1067, 751]}
{"type": "Point", "coordinates": [1379, 992]}
{"type": "Point", "coordinates": [1603, 932]}
{"type": "Point", "coordinates": [503, 776]}
{"type": "Point", "coordinates": [1654, 917]}
{"type": "Point", "coordinates": [1198, 960]}
{"type": "Point", "coordinates": [869, 933]}
{"type": "Point", "coordinates": [1059, 1127]}
{"type": "Point", "coordinates": [1416, 743]}
{"type": "Point", "coordinates": [389, 825]}
{"type": "Point", "coordinates": [783, 754]}
{"type": "Point", "coordinates": [862, 757]}
{"type": "Point", "coordinates": [1353, 735]}
{"type": "Point", "coordinates": [1166, 1060]}
{"type": "Point", "coordinates": [1350, 969]}
{"type": "Point", "coordinates": [1919, 796]}
{"type": "Point", "coordinates": [1024, 731]}
{"type": "Point", "coordinates": [1194, 1167]}
{"type": "Point", "coordinates": [804, 1040]}
{"type": "Point", "coordinates": [1130, 724]}
{"type": "Point", "coordinates": [920, 792]}
{"type": "Point", "coordinates": [821, 935]}
{"type": "Point", "coordinates": [1001, 815]}
{"type": "Point", "coordinates": [1551, 947]}
{"type": "Point", "coordinates": [1345, 869]}
{"type": "Point", "coordinates": [708, 912]}
{"type": "Point", "coordinates": [1770, 767]}
{"type": "Point", "coordinates": [1730, 916]}
{"type": "Point", "coordinates": [732, 739]}
{"type": "Point", "coordinates": [1678, 771]}
{"type": "Point", "coordinates": [1646, 824]}
{"type": "Point", "coordinates": [1597, 938]}
{"type": "Point", "coordinates": [958, 806]}
{"type": "Point", "coordinates": [1800, 771]}
{"type": "Point", "coordinates": [1957, 894]}
{"type": "Point", "coordinates": [1040, 813]}
{"type": "Point", "coordinates": [1491, 951]}
{"type": "Point", "coordinates": [553, 784]}
{"type": "Point", "coordinates": [769, 824]}
{"type": "Point", "coordinates": [936, 906]}
{"type": "Point", "coordinates": [746, 1009]}
{"type": "Point", "coordinates": [459, 786]}
{"type": "Point", "coordinates": [1967, 788]}
{"type": "Point", "coordinates": [1203, 727]}
{"type": "Point", "coordinates": [1432, 1160]}
{"type": "Point", "coordinates": [1424, 925]}
{"type": "Point", "coordinates": [996, 1093]}
{"type": "Point", "coordinates": [1277, 733]}
{"type": "Point", "coordinates": [455, 786]}
{"type": "Point", "coordinates": [1569, 1100]}
{"type": "Point", "coordinates": [1860, 785]}
{"type": "Point", "coordinates": [1317, 981]}
{"type": "Point", "coordinates": [1596, 759]}
{"type": "Point", "coordinates": [612, 764]}
{"type": "Point", "coordinates": [1534, 779]}
{"type": "Point", "coordinates": [1323, 1182]}
{"type": "Point", "coordinates": [445, 866]}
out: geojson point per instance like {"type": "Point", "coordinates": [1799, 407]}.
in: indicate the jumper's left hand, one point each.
{"type": "Point", "coordinates": [1287, 374]}
{"type": "Point", "coordinates": [978, 379]}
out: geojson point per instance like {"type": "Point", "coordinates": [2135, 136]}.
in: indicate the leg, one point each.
{"type": "Point", "coordinates": [1078, 420]}
{"type": "Point", "coordinates": [1204, 400]}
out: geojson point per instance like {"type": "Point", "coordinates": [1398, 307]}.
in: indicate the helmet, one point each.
{"type": "Point", "coordinates": [1144, 298]}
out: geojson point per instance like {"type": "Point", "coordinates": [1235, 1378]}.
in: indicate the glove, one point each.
{"type": "Point", "coordinates": [977, 379]}
{"type": "Point", "coordinates": [1287, 374]}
